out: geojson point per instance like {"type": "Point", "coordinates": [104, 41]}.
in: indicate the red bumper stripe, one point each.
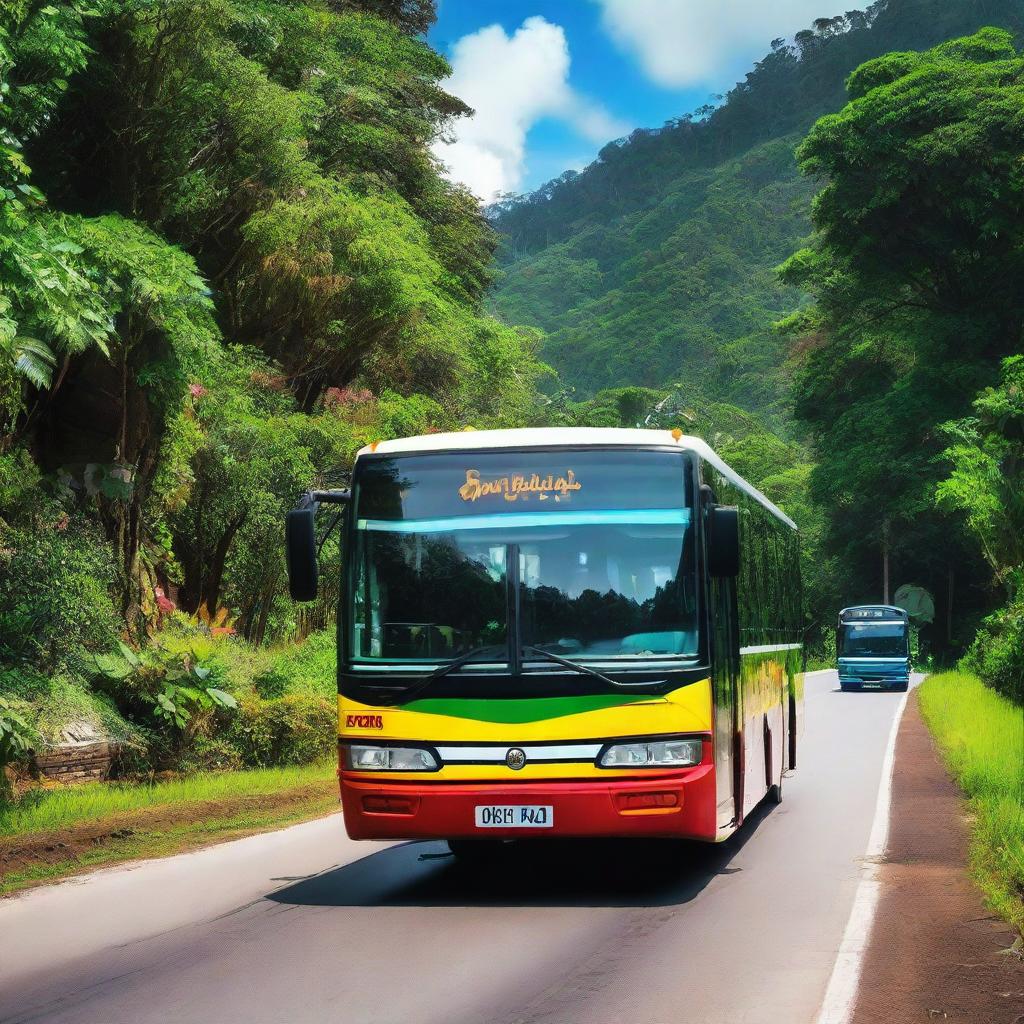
{"type": "Point", "coordinates": [679, 805]}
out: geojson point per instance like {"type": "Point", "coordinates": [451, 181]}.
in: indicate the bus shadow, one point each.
{"type": "Point", "coordinates": [567, 873]}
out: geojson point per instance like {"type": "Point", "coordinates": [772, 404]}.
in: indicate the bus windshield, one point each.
{"type": "Point", "coordinates": [584, 554]}
{"type": "Point", "coordinates": [875, 640]}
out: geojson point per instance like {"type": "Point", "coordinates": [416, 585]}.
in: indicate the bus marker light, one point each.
{"type": "Point", "coordinates": [389, 805]}
{"type": "Point", "coordinates": [648, 803]}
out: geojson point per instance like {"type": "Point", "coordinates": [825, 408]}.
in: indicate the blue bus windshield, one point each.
{"type": "Point", "coordinates": [603, 542]}
{"type": "Point", "coordinates": [872, 639]}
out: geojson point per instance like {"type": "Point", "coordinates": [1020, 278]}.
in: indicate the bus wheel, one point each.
{"type": "Point", "coordinates": [902, 688]}
{"type": "Point", "coordinates": [472, 852]}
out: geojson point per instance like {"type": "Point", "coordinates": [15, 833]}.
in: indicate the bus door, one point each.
{"type": "Point", "coordinates": [728, 714]}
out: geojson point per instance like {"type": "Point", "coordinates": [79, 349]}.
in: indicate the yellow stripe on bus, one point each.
{"type": "Point", "coordinates": [687, 709]}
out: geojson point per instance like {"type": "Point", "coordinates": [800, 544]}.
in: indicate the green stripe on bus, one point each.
{"type": "Point", "coordinates": [516, 712]}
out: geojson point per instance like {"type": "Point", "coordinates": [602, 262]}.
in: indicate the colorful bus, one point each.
{"type": "Point", "coordinates": [558, 632]}
{"type": "Point", "coordinates": [873, 648]}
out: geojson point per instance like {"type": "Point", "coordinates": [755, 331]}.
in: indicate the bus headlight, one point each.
{"type": "Point", "coordinates": [366, 757]}
{"type": "Point", "coordinates": [653, 754]}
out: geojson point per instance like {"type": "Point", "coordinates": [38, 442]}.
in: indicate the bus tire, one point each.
{"type": "Point", "coordinates": [902, 688]}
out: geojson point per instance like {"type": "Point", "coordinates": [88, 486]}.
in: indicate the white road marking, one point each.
{"type": "Point", "coordinates": [841, 994]}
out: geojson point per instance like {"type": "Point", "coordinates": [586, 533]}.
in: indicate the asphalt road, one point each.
{"type": "Point", "coordinates": [304, 925]}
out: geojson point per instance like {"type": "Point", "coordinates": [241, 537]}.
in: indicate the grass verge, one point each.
{"type": "Point", "coordinates": [56, 833]}
{"type": "Point", "coordinates": [981, 736]}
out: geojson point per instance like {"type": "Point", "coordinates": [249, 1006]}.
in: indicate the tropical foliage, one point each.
{"type": "Point", "coordinates": [227, 260]}
{"type": "Point", "coordinates": [913, 270]}
{"type": "Point", "coordinates": [899, 219]}
{"type": "Point", "coordinates": [987, 486]}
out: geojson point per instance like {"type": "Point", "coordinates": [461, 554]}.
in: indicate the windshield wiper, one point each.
{"type": "Point", "coordinates": [587, 670]}
{"type": "Point", "coordinates": [451, 666]}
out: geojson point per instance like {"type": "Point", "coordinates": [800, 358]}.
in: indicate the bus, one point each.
{"type": "Point", "coordinates": [558, 632]}
{"type": "Point", "coordinates": [873, 648]}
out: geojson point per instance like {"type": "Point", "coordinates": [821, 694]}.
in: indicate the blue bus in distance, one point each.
{"type": "Point", "coordinates": [873, 648]}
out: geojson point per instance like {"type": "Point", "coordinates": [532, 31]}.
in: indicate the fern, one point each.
{"type": "Point", "coordinates": [34, 360]}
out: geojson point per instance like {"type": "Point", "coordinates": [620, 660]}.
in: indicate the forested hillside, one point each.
{"type": "Point", "coordinates": [657, 262]}
{"type": "Point", "coordinates": [227, 259]}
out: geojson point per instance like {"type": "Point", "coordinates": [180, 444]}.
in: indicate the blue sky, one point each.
{"type": "Point", "coordinates": [554, 80]}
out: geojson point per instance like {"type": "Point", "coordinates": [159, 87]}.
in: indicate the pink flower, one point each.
{"type": "Point", "coordinates": [335, 397]}
{"type": "Point", "coordinates": [273, 381]}
{"type": "Point", "coordinates": [196, 390]}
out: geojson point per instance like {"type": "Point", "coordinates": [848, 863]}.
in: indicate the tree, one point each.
{"type": "Point", "coordinates": [919, 233]}
{"type": "Point", "coordinates": [50, 304]}
{"type": "Point", "coordinates": [986, 484]}
{"type": "Point", "coordinates": [244, 177]}
{"type": "Point", "coordinates": [287, 148]}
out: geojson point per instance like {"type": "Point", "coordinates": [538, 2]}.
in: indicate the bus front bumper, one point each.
{"type": "Point", "coordinates": [676, 805]}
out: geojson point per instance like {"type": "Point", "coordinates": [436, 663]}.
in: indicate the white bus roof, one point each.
{"type": "Point", "coordinates": [569, 437]}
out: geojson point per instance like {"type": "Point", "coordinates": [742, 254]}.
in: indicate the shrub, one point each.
{"type": "Point", "coordinates": [55, 594]}
{"type": "Point", "coordinates": [309, 667]}
{"type": "Point", "coordinates": [997, 653]}
{"type": "Point", "coordinates": [183, 690]}
{"type": "Point", "coordinates": [297, 728]}
{"type": "Point", "coordinates": [210, 754]}
{"type": "Point", "coordinates": [17, 737]}
{"type": "Point", "coordinates": [174, 688]}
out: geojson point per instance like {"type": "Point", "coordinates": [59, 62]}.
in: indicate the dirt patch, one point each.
{"type": "Point", "coordinates": [157, 830]}
{"type": "Point", "coordinates": [936, 953]}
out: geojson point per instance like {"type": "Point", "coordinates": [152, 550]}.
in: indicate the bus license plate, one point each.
{"type": "Point", "coordinates": [514, 816]}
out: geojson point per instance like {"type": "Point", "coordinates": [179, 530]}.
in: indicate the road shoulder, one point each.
{"type": "Point", "coordinates": [162, 830]}
{"type": "Point", "coordinates": [935, 952]}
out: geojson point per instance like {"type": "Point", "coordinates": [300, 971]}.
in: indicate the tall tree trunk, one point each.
{"type": "Point", "coordinates": [885, 562]}
{"type": "Point", "coordinates": [215, 577]}
{"type": "Point", "coordinates": [949, 610]}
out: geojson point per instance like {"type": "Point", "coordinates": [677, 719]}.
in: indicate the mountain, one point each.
{"type": "Point", "coordinates": [656, 264]}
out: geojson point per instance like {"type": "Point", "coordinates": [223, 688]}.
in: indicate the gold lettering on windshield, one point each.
{"type": "Point", "coordinates": [518, 485]}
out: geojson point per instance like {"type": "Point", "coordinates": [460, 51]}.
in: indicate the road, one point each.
{"type": "Point", "coordinates": [304, 925]}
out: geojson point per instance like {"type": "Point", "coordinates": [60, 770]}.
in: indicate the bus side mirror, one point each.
{"type": "Point", "coordinates": [300, 552]}
{"type": "Point", "coordinates": [300, 546]}
{"type": "Point", "coordinates": [723, 540]}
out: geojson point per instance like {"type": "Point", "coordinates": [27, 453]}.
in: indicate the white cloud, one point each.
{"type": "Point", "coordinates": [511, 82]}
{"type": "Point", "coordinates": [702, 42]}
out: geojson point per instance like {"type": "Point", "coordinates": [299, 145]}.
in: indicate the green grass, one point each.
{"type": "Point", "coordinates": [55, 809]}
{"type": "Point", "coordinates": [981, 736]}
{"type": "Point", "coordinates": [142, 843]}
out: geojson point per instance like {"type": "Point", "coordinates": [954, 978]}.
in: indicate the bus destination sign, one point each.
{"type": "Point", "coordinates": [519, 485]}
